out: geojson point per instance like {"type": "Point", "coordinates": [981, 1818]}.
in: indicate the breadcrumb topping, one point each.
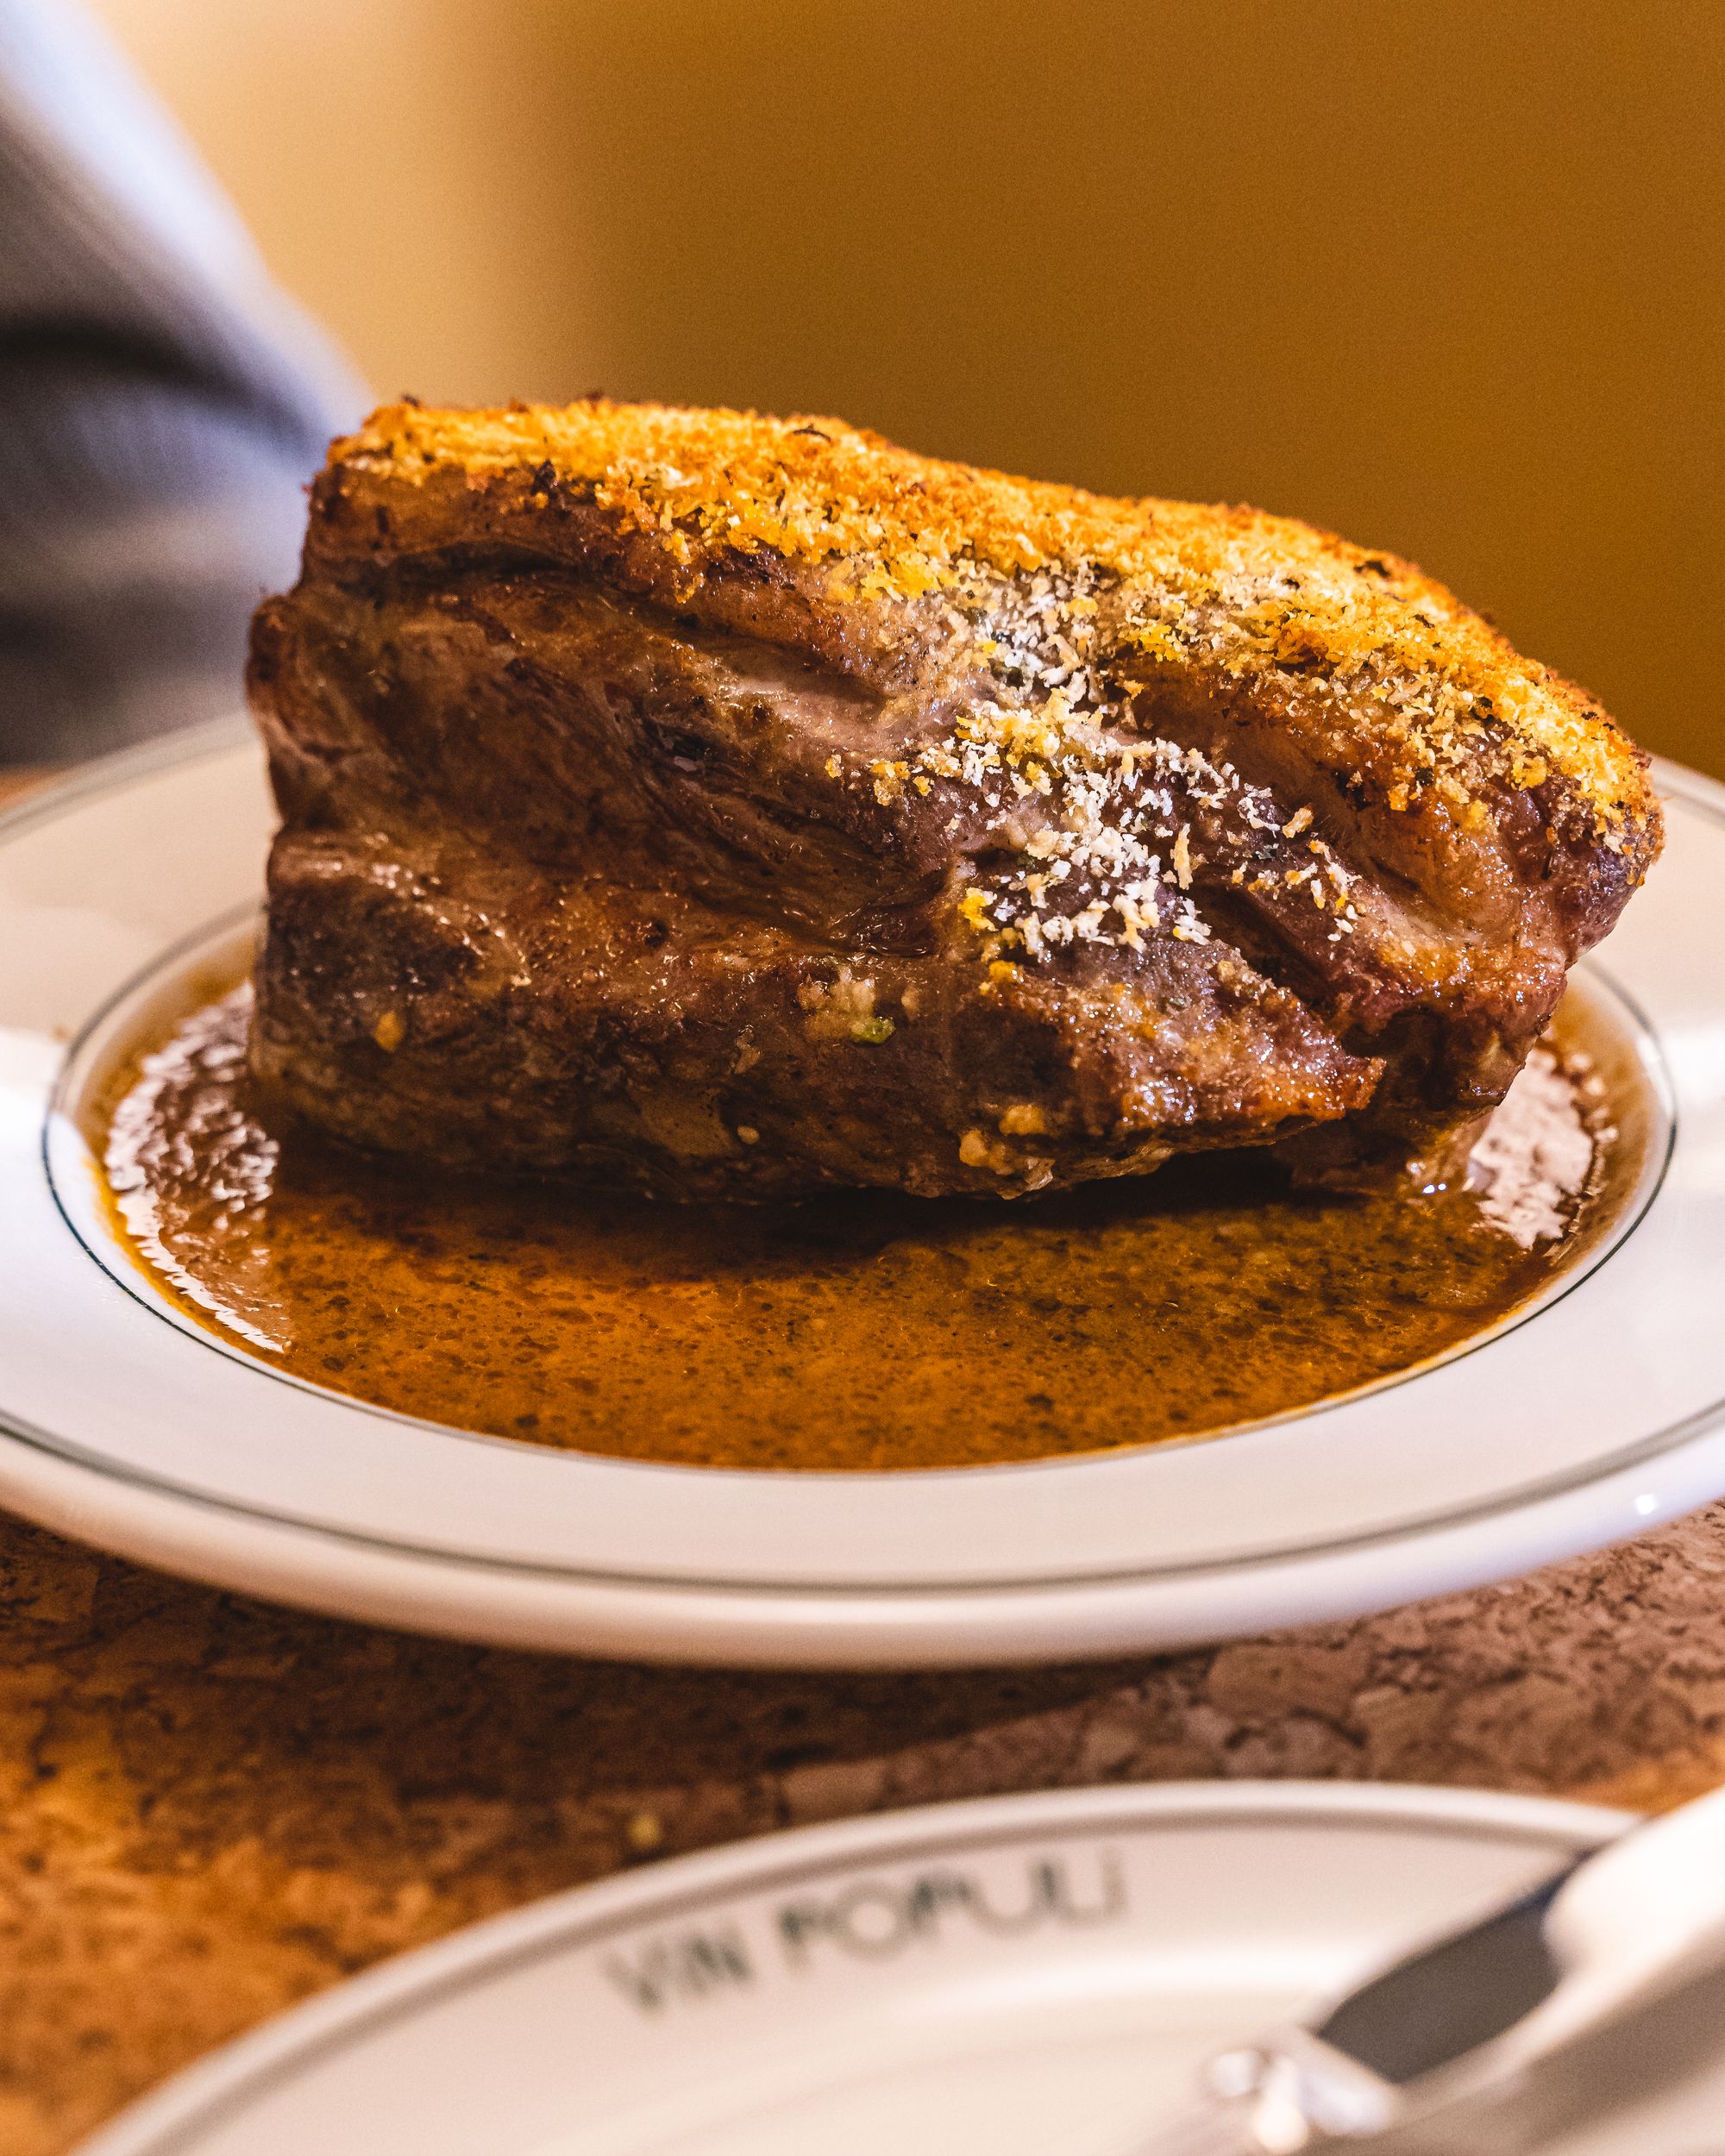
{"type": "Point", "coordinates": [1074, 603]}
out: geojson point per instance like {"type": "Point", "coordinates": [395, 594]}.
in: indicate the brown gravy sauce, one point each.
{"type": "Point", "coordinates": [866, 1331]}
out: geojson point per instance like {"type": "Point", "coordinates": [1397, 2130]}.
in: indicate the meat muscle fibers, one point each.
{"type": "Point", "coordinates": [732, 807]}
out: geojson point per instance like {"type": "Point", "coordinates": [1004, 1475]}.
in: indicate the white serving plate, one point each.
{"type": "Point", "coordinates": [1597, 1414]}
{"type": "Point", "coordinates": [1027, 1975]}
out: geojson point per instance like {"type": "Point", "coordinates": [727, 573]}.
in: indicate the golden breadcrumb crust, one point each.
{"type": "Point", "coordinates": [1212, 587]}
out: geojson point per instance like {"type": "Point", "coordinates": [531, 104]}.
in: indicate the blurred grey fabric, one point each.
{"type": "Point", "coordinates": [161, 407]}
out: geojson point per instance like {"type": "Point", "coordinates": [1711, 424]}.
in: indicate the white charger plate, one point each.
{"type": "Point", "coordinates": [1022, 1976]}
{"type": "Point", "coordinates": [1598, 1413]}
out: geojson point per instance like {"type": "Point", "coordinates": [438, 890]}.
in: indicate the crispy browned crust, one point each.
{"type": "Point", "coordinates": [825, 537]}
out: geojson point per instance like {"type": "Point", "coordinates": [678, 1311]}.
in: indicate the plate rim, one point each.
{"type": "Point", "coordinates": [116, 768]}
{"type": "Point", "coordinates": [157, 2123]}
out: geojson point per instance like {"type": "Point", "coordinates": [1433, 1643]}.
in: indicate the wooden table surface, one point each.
{"type": "Point", "coordinates": [209, 1808]}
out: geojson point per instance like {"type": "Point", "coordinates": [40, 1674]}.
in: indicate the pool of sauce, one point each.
{"type": "Point", "coordinates": [864, 1331]}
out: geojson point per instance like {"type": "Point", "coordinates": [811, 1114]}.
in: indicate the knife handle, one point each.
{"type": "Point", "coordinates": [1643, 1916]}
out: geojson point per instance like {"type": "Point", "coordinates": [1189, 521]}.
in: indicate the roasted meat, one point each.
{"type": "Point", "coordinates": [736, 806]}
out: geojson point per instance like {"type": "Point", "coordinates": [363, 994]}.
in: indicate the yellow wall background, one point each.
{"type": "Point", "coordinates": [1448, 278]}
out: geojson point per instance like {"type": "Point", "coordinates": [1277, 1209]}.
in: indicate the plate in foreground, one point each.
{"type": "Point", "coordinates": [1022, 1975]}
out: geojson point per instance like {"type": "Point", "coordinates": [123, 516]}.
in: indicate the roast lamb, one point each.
{"type": "Point", "coordinates": [733, 807]}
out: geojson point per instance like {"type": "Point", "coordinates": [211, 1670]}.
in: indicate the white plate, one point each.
{"type": "Point", "coordinates": [1599, 1414]}
{"type": "Point", "coordinates": [1024, 1976]}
